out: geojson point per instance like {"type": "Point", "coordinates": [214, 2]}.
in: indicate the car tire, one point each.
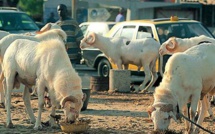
{"type": "Point", "coordinates": [104, 68]}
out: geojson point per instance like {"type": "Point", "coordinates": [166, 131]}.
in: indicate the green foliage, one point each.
{"type": "Point", "coordinates": [31, 7]}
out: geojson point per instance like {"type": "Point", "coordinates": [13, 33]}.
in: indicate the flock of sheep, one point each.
{"type": "Point", "coordinates": [188, 77]}
{"type": "Point", "coordinates": [42, 61]}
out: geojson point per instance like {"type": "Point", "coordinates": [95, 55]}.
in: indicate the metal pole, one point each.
{"type": "Point", "coordinates": [73, 10]}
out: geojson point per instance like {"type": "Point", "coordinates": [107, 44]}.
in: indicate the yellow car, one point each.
{"type": "Point", "coordinates": [160, 29]}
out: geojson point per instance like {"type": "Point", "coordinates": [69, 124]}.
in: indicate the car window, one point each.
{"type": "Point", "coordinates": [128, 32]}
{"type": "Point", "coordinates": [110, 26]}
{"type": "Point", "coordinates": [16, 21]}
{"type": "Point", "coordinates": [143, 32]}
{"type": "Point", "coordinates": [180, 30]}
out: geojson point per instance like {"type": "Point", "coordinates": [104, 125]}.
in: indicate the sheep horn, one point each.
{"type": "Point", "coordinates": [68, 98]}
{"type": "Point", "coordinates": [165, 107]}
{"type": "Point", "coordinates": [150, 110]}
{"type": "Point", "coordinates": [91, 38]}
{"type": "Point", "coordinates": [172, 45]}
{"type": "Point", "coordinates": [44, 29]}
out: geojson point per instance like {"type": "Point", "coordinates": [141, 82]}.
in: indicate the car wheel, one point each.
{"type": "Point", "coordinates": [104, 68]}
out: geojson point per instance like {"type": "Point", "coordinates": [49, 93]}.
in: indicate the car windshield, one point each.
{"type": "Point", "coordinates": [181, 30]}
{"type": "Point", "coordinates": [16, 22]}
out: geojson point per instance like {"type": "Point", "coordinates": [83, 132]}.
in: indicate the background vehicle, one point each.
{"type": "Point", "coordinates": [160, 29]}
{"type": "Point", "coordinates": [14, 21]}
{"type": "Point", "coordinates": [97, 27]}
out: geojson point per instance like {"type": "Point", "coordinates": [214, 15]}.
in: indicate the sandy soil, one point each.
{"type": "Point", "coordinates": [117, 113]}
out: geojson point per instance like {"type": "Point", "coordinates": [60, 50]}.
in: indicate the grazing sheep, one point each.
{"type": "Point", "coordinates": [45, 64]}
{"type": "Point", "coordinates": [7, 40]}
{"type": "Point", "coordinates": [188, 77]}
{"type": "Point", "coordinates": [174, 45]}
{"type": "Point", "coordinates": [141, 52]}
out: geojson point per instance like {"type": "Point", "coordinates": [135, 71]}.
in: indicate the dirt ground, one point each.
{"type": "Point", "coordinates": [117, 113]}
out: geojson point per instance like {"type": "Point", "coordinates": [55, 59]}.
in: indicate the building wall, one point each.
{"type": "Point", "coordinates": [146, 13]}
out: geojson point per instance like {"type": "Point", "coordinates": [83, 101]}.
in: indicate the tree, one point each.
{"type": "Point", "coordinates": [12, 3]}
{"type": "Point", "coordinates": [34, 8]}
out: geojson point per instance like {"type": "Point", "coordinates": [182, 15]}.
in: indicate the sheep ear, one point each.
{"type": "Point", "coordinates": [150, 110]}
{"type": "Point", "coordinates": [172, 44]}
{"type": "Point", "coordinates": [68, 98]}
{"type": "Point", "coordinates": [171, 115]}
{"type": "Point", "coordinates": [91, 38]}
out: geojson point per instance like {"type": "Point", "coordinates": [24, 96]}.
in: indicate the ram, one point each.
{"type": "Point", "coordinates": [45, 64]}
{"type": "Point", "coordinates": [141, 52]}
{"type": "Point", "coordinates": [188, 77]}
{"type": "Point", "coordinates": [7, 40]}
{"type": "Point", "coordinates": [175, 45]}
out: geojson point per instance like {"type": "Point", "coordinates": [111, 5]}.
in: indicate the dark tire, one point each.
{"type": "Point", "coordinates": [98, 83]}
{"type": "Point", "coordinates": [104, 68]}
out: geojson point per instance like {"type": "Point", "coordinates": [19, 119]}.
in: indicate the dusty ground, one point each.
{"type": "Point", "coordinates": [118, 113]}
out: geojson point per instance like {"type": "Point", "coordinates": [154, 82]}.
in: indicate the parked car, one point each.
{"type": "Point", "coordinates": [160, 29]}
{"type": "Point", "coordinates": [97, 27]}
{"type": "Point", "coordinates": [13, 20]}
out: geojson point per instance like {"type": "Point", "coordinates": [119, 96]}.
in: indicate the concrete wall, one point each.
{"type": "Point", "coordinates": [146, 13]}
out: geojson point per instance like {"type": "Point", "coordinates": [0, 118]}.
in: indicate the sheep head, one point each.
{"type": "Point", "coordinates": [161, 115]}
{"type": "Point", "coordinates": [88, 41]}
{"type": "Point", "coordinates": [72, 107]}
{"type": "Point", "coordinates": [168, 46]}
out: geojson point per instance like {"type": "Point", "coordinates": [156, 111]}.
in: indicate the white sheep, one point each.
{"type": "Point", "coordinates": [174, 44]}
{"type": "Point", "coordinates": [7, 40]}
{"type": "Point", "coordinates": [188, 77]}
{"type": "Point", "coordinates": [141, 52]}
{"type": "Point", "coordinates": [3, 34]}
{"type": "Point", "coordinates": [47, 65]}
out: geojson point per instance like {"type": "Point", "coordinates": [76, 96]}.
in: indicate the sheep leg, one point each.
{"type": "Point", "coordinates": [26, 99]}
{"type": "Point", "coordinates": [8, 86]}
{"type": "Point", "coordinates": [119, 65]}
{"type": "Point", "coordinates": [52, 120]}
{"type": "Point", "coordinates": [197, 111]}
{"type": "Point", "coordinates": [154, 77]}
{"type": "Point", "coordinates": [185, 112]}
{"type": "Point", "coordinates": [201, 113]}
{"type": "Point", "coordinates": [40, 93]}
{"type": "Point", "coordinates": [146, 79]}
{"type": "Point", "coordinates": [193, 107]}
{"type": "Point", "coordinates": [208, 105]}
{"type": "Point", "coordinates": [2, 97]}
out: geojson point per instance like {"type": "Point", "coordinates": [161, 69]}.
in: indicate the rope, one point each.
{"type": "Point", "coordinates": [196, 124]}
{"type": "Point", "coordinates": [180, 114]}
